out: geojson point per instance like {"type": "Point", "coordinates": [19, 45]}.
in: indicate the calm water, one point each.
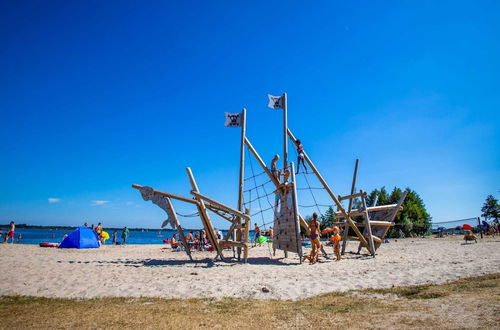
{"type": "Point", "coordinates": [36, 236]}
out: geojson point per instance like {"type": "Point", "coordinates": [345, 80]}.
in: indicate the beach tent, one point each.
{"type": "Point", "coordinates": [80, 238]}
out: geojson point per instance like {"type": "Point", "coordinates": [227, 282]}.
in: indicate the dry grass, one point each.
{"type": "Point", "coordinates": [468, 303]}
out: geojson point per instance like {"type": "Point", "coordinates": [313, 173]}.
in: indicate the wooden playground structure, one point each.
{"type": "Point", "coordinates": [287, 219]}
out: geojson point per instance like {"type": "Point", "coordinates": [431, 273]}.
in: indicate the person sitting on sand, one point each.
{"type": "Point", "coordinates": [336, 238]}
{"type": "Point", "coordinates": [300, 156]}
{"type": "Point", "coordinates": [469, 236]}
{"type": "Point", "coordinates": [10, 233]}
{"type": "Point", "coordinates": [314, 230]}
{"type": "Point", "coordinates": [257, 235]}
{"type": "Point", "coordinates": [274, 170]}
{"type": "Point", "coordinates": [174, 244]}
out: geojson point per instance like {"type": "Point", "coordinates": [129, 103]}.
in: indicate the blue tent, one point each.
{"type": "Point", "coordinates": [80, 238]}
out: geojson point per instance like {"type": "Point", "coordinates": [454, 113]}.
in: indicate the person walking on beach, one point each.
{"type": "Point", "coordinates": [257, 235]}
{"type": "Point", "coordinates": [300, 156]}
{"type": "Point", "coordinates": [314, 231]}
{"type": "Point", "coordinates": [125, 234]}
{"type": "Point", "coordinates": [10, 234]}
{"type": "Point", "coordinates": [115, 237]}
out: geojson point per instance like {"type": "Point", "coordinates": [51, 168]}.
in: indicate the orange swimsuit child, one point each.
{"type": "Point", "coordinates": [335, 238]}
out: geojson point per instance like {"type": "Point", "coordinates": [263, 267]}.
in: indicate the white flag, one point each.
{"type": "Point", "coordinates": [233, 119]}
{"type": "Point", "coordinates": [275, 102]}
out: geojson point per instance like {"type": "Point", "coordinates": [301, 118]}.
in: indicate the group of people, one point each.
{"type": "Point", "coordinates": [277, 174]}
{"type": "Point", "coordinates": [314, 237]}
{"type": "Point", "coordinates": [10, 234]}
{"type": "Point", "coordinates": [102, 237]}
{"type": "Point", "coordinates": [198, 241]}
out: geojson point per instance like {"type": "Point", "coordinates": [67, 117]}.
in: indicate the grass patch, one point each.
{"type": "Point", "coordinates": [421, 306]}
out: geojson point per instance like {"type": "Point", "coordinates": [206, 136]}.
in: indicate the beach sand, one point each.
{"type": "Point", "coordinates": [149, 271]}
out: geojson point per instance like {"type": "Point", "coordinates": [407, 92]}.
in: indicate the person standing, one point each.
{"type": "Point", "coordinates": [115, 237]}
{"type": "Point", "coordinates": [10, 234]}
{"type": "Point", "coordinates": [125, 234]}
{"type": "Point", "coordinates": [300, 156]}
{"type": "Point", "coordinates": [257, 235]}
{"type": "Point", "coordinates": [274, 170]}
{"type": "Point", "coordinates": [19, 238]}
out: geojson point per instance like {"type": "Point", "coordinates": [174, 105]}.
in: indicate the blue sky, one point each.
{"type": "Point", "coordinates": [95, 96]}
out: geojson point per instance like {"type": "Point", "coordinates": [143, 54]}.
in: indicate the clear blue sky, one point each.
{"type": "Point", "coordinates": [97, 95]}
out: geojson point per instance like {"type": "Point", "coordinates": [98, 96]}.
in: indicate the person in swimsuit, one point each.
{"type": "Point", "coordinates": [10, 234]}
{"type": "Point", "coordinates": [173, 242]}
{"type": "Point", "coordinates": [336, 238]}
{"type": "Point", "coordinates": [98, 231]}
{"type": "Point", "coordinates": [274, 170]}
{"type": "Point", "coordinates": [300, 156]}
{"type": "Point", "coordinates": [257, 235]}
{"type": "Point", "coordinates": [314, 231]}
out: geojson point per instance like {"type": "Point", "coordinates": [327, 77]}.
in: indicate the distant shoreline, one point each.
{"type": "Point", "coordinates": [25, 226]}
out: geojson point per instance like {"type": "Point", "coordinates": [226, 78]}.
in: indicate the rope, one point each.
{"type": "Point", "coordinates": [193, 215]}
{"type": "Point", "coordinates": [258, 199]}
{"type": "Point", "coordinates": [254, 176]}
{"type": "Point", "coordinates": [314, 198]}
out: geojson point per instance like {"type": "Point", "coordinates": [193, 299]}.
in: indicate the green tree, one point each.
{"type": "Point", "coordinates": [491, 209]}
{"type": "Point", "coordinates": [328, 218]}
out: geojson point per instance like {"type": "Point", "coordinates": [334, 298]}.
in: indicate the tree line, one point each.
{"type": "Point", "coordinates": [413, 219]}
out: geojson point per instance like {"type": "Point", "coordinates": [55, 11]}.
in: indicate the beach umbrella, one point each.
{"type": "Point", "coordinates": [468, 227]}
{"type": "Point", "coordinates": [327, 230]}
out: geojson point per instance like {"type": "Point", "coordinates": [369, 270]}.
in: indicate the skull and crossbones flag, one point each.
{"type": "Point", "coordinates": [233, 119]}
{"type": "Point", "coordinates": [275, 102]}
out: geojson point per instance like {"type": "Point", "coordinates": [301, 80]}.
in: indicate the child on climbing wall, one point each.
{"type": "Point", "coordinates": [335, 238]}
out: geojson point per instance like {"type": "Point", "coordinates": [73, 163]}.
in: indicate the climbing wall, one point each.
{"type": "Point", "coordinates": [286, 221]}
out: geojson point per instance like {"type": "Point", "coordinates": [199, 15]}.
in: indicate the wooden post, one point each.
{"type": "Point", "coordinates": [179, 229]}
{"type": "Point", "coordinates": [479, 225]}
{"type": "Point", "coordinates": [296, 211]}
{"type": "Point", "coordinates": [332, 195]}
{"type": "Point", "coordinates": [353, 188]}
{"type": "Point", "coordinates": [212, 236]}
{"type": "Point", "coordinates": [368, 228]}
{"type": "Point", "coordinates": [245, 234]}
{"type": "Point", "coordinates": [285, 130]}
{"type": "Point", "coordinates": [242, 176]}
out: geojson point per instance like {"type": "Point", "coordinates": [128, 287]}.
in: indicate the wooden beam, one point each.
{"type": "Point", "coordinates": [169, 195]}
{"type": "Point", "coordinates": [212, 237]}
{"type": "Point", "coordinates": [341, 198]}
{"type": "Point", "coordinates": [368, 227]}
{"type": "Point", "coordinates": [214, 204]}
{"type": "Point", "coordinates": [219, 213]}
{"type": "Point", "coordinates": [179, 229]}
{"type": "Point", "coordinates": [261, 162]}
{"type": "Point", "coordinates": [332, 195]}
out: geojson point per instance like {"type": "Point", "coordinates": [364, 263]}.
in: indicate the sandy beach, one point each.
{"type": "Point", "coordinates": [150, 271]}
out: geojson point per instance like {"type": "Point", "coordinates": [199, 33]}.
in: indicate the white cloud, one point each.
{"type": "Point", "coordinates": [53, 200]}
{"type": "Point", "coordinates": [98, 202]}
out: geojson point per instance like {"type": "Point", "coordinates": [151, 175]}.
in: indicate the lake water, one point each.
{"type": "Point", "coordinates": [36, 236]}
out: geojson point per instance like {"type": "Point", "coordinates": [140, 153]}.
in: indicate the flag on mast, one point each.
{"type": "Point", "coordinates": [233, 119]}
{"type": "Point", "coordinates": [275, 102]}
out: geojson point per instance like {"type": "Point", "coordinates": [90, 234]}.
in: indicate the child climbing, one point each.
{"type": "Point", "coordinates": [300, 156]}
{"type": "Point", "coordinates": [335, 238]}
{"type": "Point", "coordinates": [274, 170]}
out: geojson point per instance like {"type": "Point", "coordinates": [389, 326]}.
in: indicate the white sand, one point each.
{"type": "Point", "coordinates": [146, 270]}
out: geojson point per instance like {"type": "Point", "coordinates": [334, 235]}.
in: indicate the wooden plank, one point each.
{"type": "Point", "coordinates": [218, 212]}
{"type": "Point", "coordinates": [212, 236]}
{"type": "Point", "coordinates": [261, 162]}
{"type": "Point", "coordinates": [368, 227]}
{"type": "Point", "coordinates": [179, 229]}
{"type": "Point", "coordinates": [215, 204]}
{"type": "Point", "coordinates": [296, 221]}
{"type": "Point", "coordinates": [341, 198]}
{"type": "Point", "coordinates": [169, 195]}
